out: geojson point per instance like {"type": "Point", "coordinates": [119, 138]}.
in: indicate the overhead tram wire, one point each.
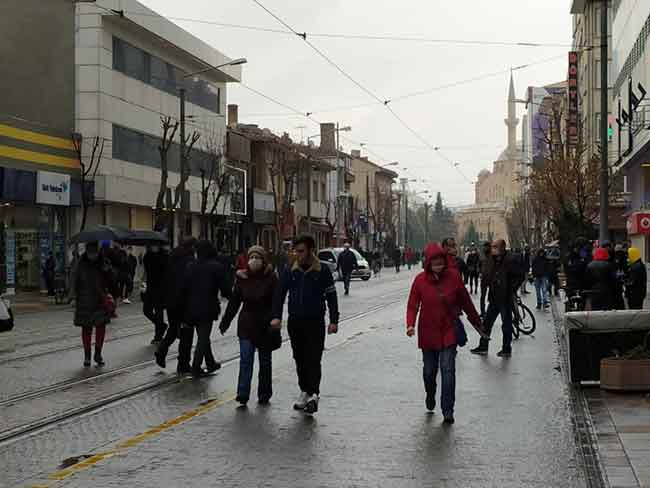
{"type": "Point", "coordinates": [384, 102]}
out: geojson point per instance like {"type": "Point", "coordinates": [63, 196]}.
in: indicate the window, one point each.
{"type": "Point", "coordinates": [596, 131]}
{"type": "Point", "coordinates": [138, 64]}
{"type": "Point", "coordinates": [314, 196]}
{"type": "Point", "coordinates": [323, 192]}
{"type": "Point", "coordinates": [327, 256]}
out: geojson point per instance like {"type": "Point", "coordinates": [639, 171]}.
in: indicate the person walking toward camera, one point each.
{"type": "Point", "coordinates": [255, 288]}
{"type": "Point", "coordinates": [437, 296]}
{"type": "Point", "coordinates": [310, 287]}
{"type": "Point", "coordinates": [346, 264]}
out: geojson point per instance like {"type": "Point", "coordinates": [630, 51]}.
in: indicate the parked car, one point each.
{"type": "Point", "coordinates": [330, 256]}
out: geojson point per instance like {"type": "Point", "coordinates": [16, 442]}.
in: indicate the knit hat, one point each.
{"type": "Point", "coordinates": [633, 255]}
{"type": "Point", "coordinates": [257, 250]}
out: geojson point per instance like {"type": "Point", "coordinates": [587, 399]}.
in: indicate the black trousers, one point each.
{"type": "Point", "coordinates": [153, 309]}
{"type": "Point", "coordinates": [307, 341]}
{"type": "Point", "coordinates": [473, 281]}
{"type": "Point", "coordinates": [185, 334]}
{"type": "Point", "coordinates": [203, 349]}
{"type": "Point", "coordinates": [484, 288]}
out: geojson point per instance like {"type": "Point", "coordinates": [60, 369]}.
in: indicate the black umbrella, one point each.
{"type": "Point", "coordinates": [98, 233]}
{"type": "Point", "coordinates": [144, 238]}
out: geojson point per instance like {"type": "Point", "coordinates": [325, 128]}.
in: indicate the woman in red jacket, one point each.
{"type": "Point", "coordinates": [438, 295]}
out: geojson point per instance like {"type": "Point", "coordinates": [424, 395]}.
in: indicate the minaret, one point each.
{"type": "Point", "coordinates": [512, 121]}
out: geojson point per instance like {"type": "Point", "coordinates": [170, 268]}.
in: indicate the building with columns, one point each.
{"type": "Point", "coordinates": [496, 189]}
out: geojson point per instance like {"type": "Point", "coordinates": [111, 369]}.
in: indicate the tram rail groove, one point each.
{"type": "Point", "coordinates": [14, 434]}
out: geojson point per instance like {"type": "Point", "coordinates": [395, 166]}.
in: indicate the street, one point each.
{"type": "Point", "coordinates": [136, 425]}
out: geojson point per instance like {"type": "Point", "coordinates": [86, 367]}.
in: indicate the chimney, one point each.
{"type": "Point", "coordinates": [328, 138]}
{"type": "Point", "coordinates": [233, 115]}
{"type": "Point", "coordinates": [355, 153]}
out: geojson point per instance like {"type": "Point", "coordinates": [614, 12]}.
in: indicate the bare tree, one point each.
{"type": "Point", "coordinates": [214, 181]}
{"type": "Point", "coordinates": [89, 168]}
{"type": "Point", "coordinates": [284, 171]}
{"type": "Point", "coordinates": [332, 211]}
{"type": "Point", "coordinates": [169, 129]}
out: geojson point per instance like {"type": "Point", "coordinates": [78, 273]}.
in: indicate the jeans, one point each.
{"type": "Point", "coordinates": [185, 336]}
{"type": "Point", "coordinates": [347, 276]}
{"type": "Point", "coordinates": [541, 290]}
{"type": "Point", "coordinates": [307, 342]}
{"type": "Point", "coordinates": [445, 360]}
{"type": "Point", "coordinates": [203, 346]}
{"type": "Point", "coordinates": [246, 361]}
{"type": "Point", "coordinates": [493, 311]}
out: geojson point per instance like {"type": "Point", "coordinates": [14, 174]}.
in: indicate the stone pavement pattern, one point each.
{"type": "Point", "coordinates": [513, 425]}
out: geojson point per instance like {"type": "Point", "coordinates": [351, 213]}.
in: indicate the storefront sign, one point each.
{"type": "Point", "coordinates": [572, 122]}
{"type": "Point", "coordinates": [10, 260]}
{"type": "Point", "coordinates": [52, 188]}
{"type": "Point", "coordinates": [638, 223]}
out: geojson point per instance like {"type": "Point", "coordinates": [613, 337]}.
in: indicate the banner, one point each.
{"type": "Point", "coordinates": [572, 120]}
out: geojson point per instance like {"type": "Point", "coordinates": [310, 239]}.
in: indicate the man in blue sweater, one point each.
{"type": "Point", "coordinates": [309, 286]}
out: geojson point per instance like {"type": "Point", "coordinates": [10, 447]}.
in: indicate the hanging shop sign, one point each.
{"type": "Point", "coordinates": [638, 223]}
{"type": "Point", "coordinates": [52, 188]}
{"type": "Point", "coordinates": [572, 122]}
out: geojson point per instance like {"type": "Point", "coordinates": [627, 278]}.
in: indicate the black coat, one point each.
{"type": "Point", "coordinates": [503, 278]}
{"type": "Point", "coordinates": [256, 293]}
{"type": "Point", "coordinates": [90, 291]}
{"type": "Point", "coordinates": [179, 263]}
{"type": "Point", "coordinates": [541, 267]}
{"type": "Point", "coordinates": [155, 268]}
{"type": "Point", "coordinates": [347, 262]}
{"type": "Point", "coordinates": [203, 281]}
{"type": "Point", "coordinates": [637, 284]}
{"type": "Point", "coordinates": [473, 262]}
{"type": "Point", "coordinates": [600, 280]}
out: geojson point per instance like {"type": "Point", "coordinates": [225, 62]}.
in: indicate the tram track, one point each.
{"type": "Point", "coordinates": [14, 434]}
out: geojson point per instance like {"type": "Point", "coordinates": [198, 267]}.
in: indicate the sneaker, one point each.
{"type": "Point", "coordinates": [430, 402]}
{"type": "Point", "coordinates": [480, 350]}
{"type": "Point", "coordinates": [214, 367]}
{"type": "Point", "coordinates": [126, 301]}
{"type": "Point", "coordinates": [87, 363]}
{"type": "Point", "coordinates": [448, 420]}
{"type": "Point", "coordinates": [241, 400]}
{"type": "Point", "coordinates": [263, 401]}
{"type": "Point", "coordinates": [99, 359]}
{"type": "Point", "coordinates": [160, 359]}
{"type": "Point", "coordinates": [504, 353]}
{"type": "Point", "coordinates": [199, 373]}
{"type": "Point", "coordinates": [155, 341]}
{"type": "Point", "coordinates": [311, 406]}
{"type": "Point", "coordinates": [538, 307]}
{"type": "Point", "coordinates": [301, 402]}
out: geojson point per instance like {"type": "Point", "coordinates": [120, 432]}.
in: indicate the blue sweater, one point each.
{"type": "Point", "coordinates": [308, 291]}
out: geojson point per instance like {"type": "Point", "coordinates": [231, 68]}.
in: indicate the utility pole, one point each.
{"type": "Point", "coordinates": [604, 95]}
{"type": "Point", "coordinates": [403, 181]}
{"type": "Point", "coordinates": [182, 168]}
{"type": "Point", "coordinates": [426, 223]}
{"type": "Point", "coordinates": [367, 212]}
{"type": "Point", "coordinates": [308, 196]}
{"type": "Point", "coordinates": [340, 178]}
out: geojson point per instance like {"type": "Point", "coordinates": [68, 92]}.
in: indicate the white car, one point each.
{"type": "Point", "coordinates": [330, 255]}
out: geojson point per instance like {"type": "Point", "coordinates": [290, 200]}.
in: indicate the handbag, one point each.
{"type": "Point", "coordinates": [459, 327]}
{"type": "Point", "coordinates": [109, 305]}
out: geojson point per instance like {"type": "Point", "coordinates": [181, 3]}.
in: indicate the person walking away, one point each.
{"type": "Point", "coordinates": [540, 275]}
{"type": "Point", "coordinates": [437, 295]}
{"type": "Point", "coordinates": [255, 288]}
{"type": "Point", "coordinates": [180, 260]}
{"type": "Point", "coordinates": [526, 269]}
{"type": "Point", "coordinates": [408, 257]}
{"type": "Point", "coordinates": [622, 269]}
{"type": "Point", "coordinates": [600, 281]}
{"type": "Point", "coordinates": [90, 302]}
{"type": "Point", "coordinates": [204, 280]}
{"type": "Point", "coordinates": [346, 263]}
{"type": "Point", "coordinates": [122, 271]}
{"type": "Point", "coordinates": [310, 286]}
{"type": "Point", "coordinates": [49, 270]}
{"type": "Point", "coordinates": [397, 258]}
{"type": "Point", "coordinates": [486, 263]}
{"type": "Point", "coordinates": [576, 267]}
{"type": "Point", "coordinates": [637, 280]}
{"type": "Point", "coordinates": [155, 263]}
{"type": "Point", "coordinates": [503, 279]}
{"type": "Point", "coordinates": [473, 269]}
{"type": "Point", "coordinates": [131, 267]}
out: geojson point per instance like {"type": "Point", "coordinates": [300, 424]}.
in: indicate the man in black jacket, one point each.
{"type": "Point", "coordinates": [204, 279]}
{"type": "Point", "coordinates": [503, 279]}
{"type": "Point", "coordinates": [637, 280]}
{"type": "Point", "coordinates": [541, 270]}
{"type": "Point", "coordinates": [155, 263]}
{"type": "Point", "coordinates": [309, 286]}
{"type": "Point", "coordinates": [181, 259]}
{"type": "Point", "coordinates": [347, 263]}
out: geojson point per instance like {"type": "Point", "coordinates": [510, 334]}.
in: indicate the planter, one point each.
{"type": "Point", "coordinates": [622, 374]}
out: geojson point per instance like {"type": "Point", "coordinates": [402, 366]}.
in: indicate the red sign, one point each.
{"type": "Point", "coordinates": [638, 223]}
{"type": "Point", "coordinates": [572, 122]}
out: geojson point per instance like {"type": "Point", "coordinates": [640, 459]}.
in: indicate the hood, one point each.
{"type": "Point", "coordinates": [633, 255]}
{"type": "Point", "coordinates": [601, 254]}
{"type": "Point", "coordinates": [433, 251]}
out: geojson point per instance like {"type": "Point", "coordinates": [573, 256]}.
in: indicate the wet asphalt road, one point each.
{"type": "Point", "coordinates": [513, 424]}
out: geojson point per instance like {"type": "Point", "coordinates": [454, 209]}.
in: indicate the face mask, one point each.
{"type": "Point", "coordinates": [255, 264]}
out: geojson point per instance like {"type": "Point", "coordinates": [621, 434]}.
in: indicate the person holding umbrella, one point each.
{"type": "Point", "coordinates": [91, 310]}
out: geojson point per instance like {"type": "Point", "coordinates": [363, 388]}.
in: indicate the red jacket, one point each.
{"type": "Point", "coordinates": [437, 316]}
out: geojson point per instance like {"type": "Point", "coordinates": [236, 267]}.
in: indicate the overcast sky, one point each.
{"type": "Point", "coordinates": [465, 121]}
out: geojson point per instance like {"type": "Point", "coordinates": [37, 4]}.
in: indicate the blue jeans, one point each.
{"type": "Point", "coordinates": [247, 358]}
{"type": "Point", "coordinates": [541, 290]}
{"type": "Point", "coordinates": [445, 360]}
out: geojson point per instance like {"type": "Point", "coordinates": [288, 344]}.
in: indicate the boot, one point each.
{"type": "Point", "coordinates": [482, 348]}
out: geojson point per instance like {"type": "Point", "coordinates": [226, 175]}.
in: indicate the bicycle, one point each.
{"type": "Point", "coordinates": [523, 320]}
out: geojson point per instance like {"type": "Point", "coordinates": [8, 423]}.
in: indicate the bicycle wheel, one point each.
{"type": "Point", "coordinates": [527, 322]}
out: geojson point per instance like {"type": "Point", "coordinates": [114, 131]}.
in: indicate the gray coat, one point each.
{"type": "Point", "coordinates": [90, 291]}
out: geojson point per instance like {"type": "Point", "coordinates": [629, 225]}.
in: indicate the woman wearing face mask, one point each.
{"type": "Point", "coordinates": [90, 310]}
{"type": "Point", "coordinates": [437, 296]}
{"type": "Point", "coordinates": [254, 288]}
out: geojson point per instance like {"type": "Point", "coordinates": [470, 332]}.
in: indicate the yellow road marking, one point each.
{"type": "Point", "coordinates": [36, 137]}
{"type": "Point", "coordinates": [38, 157]}
{"type": "Point", "coordinates": [134, 441]}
